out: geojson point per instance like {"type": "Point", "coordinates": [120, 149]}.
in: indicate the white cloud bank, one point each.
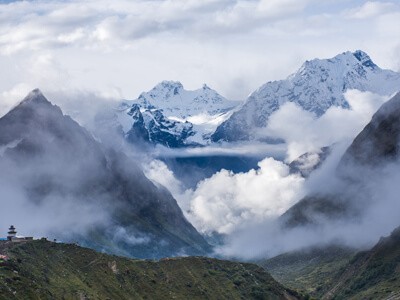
{"type": "Point", "coordinates": [245, 206]}
{"type": "Point", "coordinates": [228, 201]}
{"type": "Point", "coordinates": [121, 48]}
{"type": "Point", "coordinates": [379, 217]}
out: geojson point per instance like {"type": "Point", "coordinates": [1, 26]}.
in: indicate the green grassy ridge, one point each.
{"type": "Point", "coordinates": [309, 271]}
{"type": "Point", "coordinates": [373, 274]}
{"type": "Point", "coordinates": [341, 273]}
{"type": "Point", "coordinates": [46, 270]}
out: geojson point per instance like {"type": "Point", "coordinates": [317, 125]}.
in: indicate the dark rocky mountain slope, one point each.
{"type": "Point", "coordinates": [379, 140]}
{"type": "Point", "coordinates": [62, 170]}
{"type": "Point", "coordinates": [376, 146]}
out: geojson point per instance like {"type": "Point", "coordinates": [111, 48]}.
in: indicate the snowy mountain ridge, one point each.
{"type": "Point", "coordinates": [173, 116]}
{"type": "Point", "coordinates": [175, 101]}
{"type": "Point", "coordinates": [316, 86]}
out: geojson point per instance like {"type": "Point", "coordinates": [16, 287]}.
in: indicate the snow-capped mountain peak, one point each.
{"type": "Point", "coordinates": [36, 96]}
{"type": "Point", "coordinates": [174, 116]}
{"type": "Point", "coordinates": [318, 85]}
{"type": "Point", "coordinates": [163, 91]}
{"type": "Point", "coordinates": [175, 101]}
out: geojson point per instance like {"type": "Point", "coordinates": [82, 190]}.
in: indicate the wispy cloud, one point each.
{"type": "Point", "coordinates": [371, 9]}
{"type": "Point", "coordinates": [304, 132]}
{"type": "Point", "coordinates": [122, 48]}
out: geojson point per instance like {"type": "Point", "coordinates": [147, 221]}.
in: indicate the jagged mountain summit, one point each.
{"type": "Point", "coordinates": [318, 85]}
{"type": "Point", "coordinates": [54, 170]}
{"type": "Point", "coordinates": [172, 116]}
{"type": "Point", "coordinates": [175, 101]}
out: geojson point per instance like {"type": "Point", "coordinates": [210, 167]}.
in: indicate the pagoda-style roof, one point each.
{"type": "Point", "coordinates": [11, 230]}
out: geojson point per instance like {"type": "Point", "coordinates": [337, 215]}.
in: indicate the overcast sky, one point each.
{"type": "Point", "coordinates": [120, 48]}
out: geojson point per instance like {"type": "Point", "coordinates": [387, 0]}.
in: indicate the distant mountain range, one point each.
{"type": "Point", "coordinates": [318, 85]}
{"type": "Point", "coordinates": [174, 117]}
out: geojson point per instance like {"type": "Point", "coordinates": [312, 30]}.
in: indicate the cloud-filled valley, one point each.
{"type": "Point", "coordinates": [259, 131]}
{"type": "Point", "coordinates": [242, 206]}
{"type": "Point", "coordinates": [246, 206]}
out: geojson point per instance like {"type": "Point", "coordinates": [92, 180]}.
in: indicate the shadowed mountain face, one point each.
{"type": "Point", "coordinates": [379, 141]}
{"type": "Point", "coordinates": [376, 146]}
{"type": "Point", "coordinates": [61, 170]}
